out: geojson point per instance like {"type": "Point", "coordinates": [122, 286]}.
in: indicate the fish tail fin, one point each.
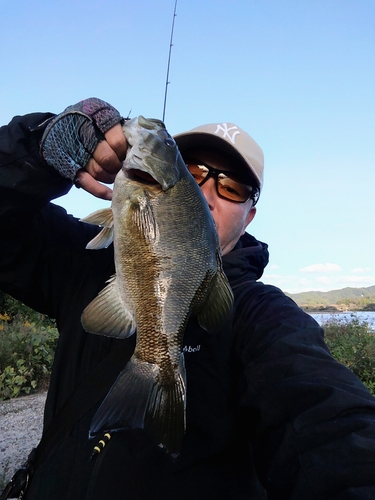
{"type": "Point", "coordinates": [165, 416]}
{"type": "Point", "coordinates": [139, 399]}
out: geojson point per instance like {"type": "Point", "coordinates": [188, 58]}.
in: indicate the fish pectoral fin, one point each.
{"type": "Point", "coordinates": [144, 218]}
{"type": "Point", "coordinates": [102, 218]}
{"type": "Point", "coordinates": [218, 304]}
{"type": "Point", "coordinates": [107, 314]}
{"type": "Point", "coordinates": [140, 400]}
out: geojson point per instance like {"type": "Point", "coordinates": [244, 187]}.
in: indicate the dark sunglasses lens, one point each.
{"type": "Point", "coordinates": [227, 187]}
{"type": "Point", "coordinates": [232, 190]}
{"type": "Point", "coordinates": [199, 172]}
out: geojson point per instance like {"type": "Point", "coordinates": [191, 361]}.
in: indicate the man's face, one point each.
{"type": "Point", "coordinates": [230, 218]}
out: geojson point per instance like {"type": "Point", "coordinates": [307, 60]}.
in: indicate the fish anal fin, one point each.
{"type": "Point", "coordinates": [107, 314]}
{"type": "Point", "coordinates": [125, 404]}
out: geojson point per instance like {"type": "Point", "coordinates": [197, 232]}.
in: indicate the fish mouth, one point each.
{"type": "Point", "coordinates": [141, 177]}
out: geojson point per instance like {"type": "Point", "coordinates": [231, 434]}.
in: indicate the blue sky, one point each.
{"type": "Point", "coordinates": [298, 75]}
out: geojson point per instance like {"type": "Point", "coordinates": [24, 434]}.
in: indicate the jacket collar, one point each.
{"type": "Point", "coordinates": [246, 261]}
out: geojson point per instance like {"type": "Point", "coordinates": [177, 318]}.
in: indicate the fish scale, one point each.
{"type": "Point", "coordinates": [168, 268]}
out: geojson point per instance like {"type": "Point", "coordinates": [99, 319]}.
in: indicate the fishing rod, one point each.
{"type": "Point", "coordinates": [169, 59]}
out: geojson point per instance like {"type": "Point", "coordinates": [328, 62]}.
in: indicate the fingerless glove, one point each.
{"type": "Point", "coordinates": [71, 137]}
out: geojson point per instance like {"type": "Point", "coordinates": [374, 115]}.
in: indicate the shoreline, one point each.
{"type": "Point", "coordinates": [21, 429]}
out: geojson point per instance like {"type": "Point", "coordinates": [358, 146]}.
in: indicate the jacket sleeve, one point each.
{"type": "Point", "coordinates": [315, 432]}
{"type": "Point", "coordinates": [38, 238]}
{"type": "Point", "coordinates": [25, 177]}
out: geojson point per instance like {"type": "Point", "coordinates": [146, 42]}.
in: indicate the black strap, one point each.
{"type": "Point", "coordinates": [17, 486]}
{"type": "Point", "coordinates": [93, 388]}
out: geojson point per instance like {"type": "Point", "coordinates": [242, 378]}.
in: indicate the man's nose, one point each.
{"type": "Point", "coordinates": [209, 192]}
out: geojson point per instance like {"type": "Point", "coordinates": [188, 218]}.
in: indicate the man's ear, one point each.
{"type": "Point", "coordinates": [250, 216]}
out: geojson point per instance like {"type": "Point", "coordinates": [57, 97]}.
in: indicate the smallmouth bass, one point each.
{"type": "Point", "coordinates": [168, 268]}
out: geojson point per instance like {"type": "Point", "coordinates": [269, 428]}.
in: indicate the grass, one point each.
{"type": "Point", "coordinates": [353, 344]}
{"type": "Point", "coordinates": [26, 353]}
{"type": "Point", "coordinates": [28, 341]}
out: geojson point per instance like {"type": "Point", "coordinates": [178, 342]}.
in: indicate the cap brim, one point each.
{"type": "Point", "coordinates": [188, 140]}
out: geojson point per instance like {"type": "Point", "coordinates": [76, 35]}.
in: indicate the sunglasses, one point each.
{"type": "Point", "coordinates": [228, 186]}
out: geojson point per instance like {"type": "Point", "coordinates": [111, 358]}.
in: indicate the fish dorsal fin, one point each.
{"type": "Point", "coordinates": [218, 304]}
{"type": "Point", "coordinates": [102, 218]}
{"type": "Point", "coordinates": [108, 315]}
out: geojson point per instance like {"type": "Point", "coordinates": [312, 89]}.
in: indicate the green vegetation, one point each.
{"type": "Point", "coordinates": [353, 344]}
{"type": "Point", "coordinates": [28, 340]}
{"type": "Point", "coordinates": [27, 343]}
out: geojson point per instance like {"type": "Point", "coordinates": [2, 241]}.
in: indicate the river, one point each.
{"type": "Point", "coordinates": [367, 316]}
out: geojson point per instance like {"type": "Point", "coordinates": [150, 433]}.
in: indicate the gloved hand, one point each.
{"type": "Point", "coordinates": [74, 144]}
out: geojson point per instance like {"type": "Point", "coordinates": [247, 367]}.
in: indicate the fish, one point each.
{"type": "Point", "coordinates": [167, 268]}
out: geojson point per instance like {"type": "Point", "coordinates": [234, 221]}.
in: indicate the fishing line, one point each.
{"type": "Point", "coordinates": [169, 60]}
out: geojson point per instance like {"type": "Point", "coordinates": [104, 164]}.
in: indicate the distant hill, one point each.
{"type": "Point", "coordinates": [344, 299]}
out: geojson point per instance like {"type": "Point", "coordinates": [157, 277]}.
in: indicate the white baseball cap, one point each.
{"type": "Point", "coordinates": [229, 138]}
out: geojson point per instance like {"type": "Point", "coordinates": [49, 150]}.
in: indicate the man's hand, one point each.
{"type": "Point", "coordinates": [104, 164]}
{"type": "Point", "coordinates": [86, 144]}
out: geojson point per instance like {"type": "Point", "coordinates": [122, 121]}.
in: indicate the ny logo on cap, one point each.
{"type": "Point", "coordinates": [223, 127]}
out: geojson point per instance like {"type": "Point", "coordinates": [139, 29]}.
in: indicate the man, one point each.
{"type": "Point", "coordinates": [270, 413]}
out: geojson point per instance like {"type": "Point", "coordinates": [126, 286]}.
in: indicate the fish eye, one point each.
{"type": "Point", "coordinates": [170, 142]}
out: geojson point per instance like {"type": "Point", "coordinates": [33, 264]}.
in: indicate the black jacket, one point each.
{"type": "Point", "coordinates": [266, 402]}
